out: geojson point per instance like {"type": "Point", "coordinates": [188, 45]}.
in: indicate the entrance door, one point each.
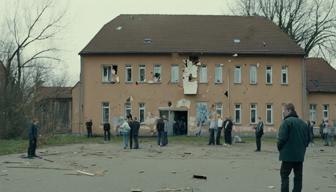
{"type": "Point", "coordinates": [177, 121]}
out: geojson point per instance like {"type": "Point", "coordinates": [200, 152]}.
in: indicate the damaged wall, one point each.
{"type": "Point", "coordinates": [158, 94]}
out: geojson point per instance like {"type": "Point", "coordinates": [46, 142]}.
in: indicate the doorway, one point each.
{"type": "Point", "coordinates": [177, 119]}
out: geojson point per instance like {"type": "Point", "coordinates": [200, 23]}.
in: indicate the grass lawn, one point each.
{"type": "Point", "coordinates": [21, 145]}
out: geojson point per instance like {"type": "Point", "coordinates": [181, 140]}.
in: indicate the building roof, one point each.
{"type": "Point", "coordinates": [54, 93]}
{"type": "Point", "coordinates": [320, 76]}
{"type": "Point", "coordinates": [207, 34]}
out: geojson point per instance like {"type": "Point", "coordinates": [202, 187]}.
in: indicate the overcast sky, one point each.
{"type": "Point", "coordinates": [84, 18]}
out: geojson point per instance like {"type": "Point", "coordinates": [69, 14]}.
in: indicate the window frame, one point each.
{"type": "Point", "coordinates": [202, 73]}
{"type": "Point", "coordinates": [272, 116]}
{"type": "Point", "coordinates": [109, 74]}
{"type": "Point", "coordinates": [127, 106]}
{"type": "Point", "coordinates": [253, 66]}
{"type": "Point", "coordinates": [284, 71]}
{"type": "Point", "coordinates": [219, 107]}
{"type": "Point", "coordinates": [325, 110]}
{"type": "Point", "coordinates": [144, 112]}
{"type": "Point", "coordinates": [240, 113]}
{"type": "Point", "coordinates": [128, 67]}
{"type": "Point", "coordinates": [103, 111]}
{"type": "Point", "coordinates": [157, 66]}
{"type": "Point", "coordinates": [312, 112]}
{"type": "Point", "coordinates": [218, 73]}
{"type": "Point", "coordinates": [270, 71]}
{"type": "Point", "coordinates": [142, 66]}
{"type": "Point", "coordinates": [240, 75]}
{"type": "Point", "coordinates": [256, 113]}
{"type": "Point", "coordinates": [174, 68]}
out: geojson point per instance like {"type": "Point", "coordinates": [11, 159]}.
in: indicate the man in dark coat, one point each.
{"type": "Point", "coordinates": [131, 133]}
{"type": "Point", "coordinates": [89, 128]}
{"type": "Point", "coordinates": [136, 127]}
{"type": "Point", "coordinates": [293, 138]}
{"type": "Point", "coordinates": [32, 139]}
{"type": "Point", "coordinates": [160, 130]}
{"type": "Point", "coordinates": [107, 133]}
{"type": "Point", "coordinates": [259, 131]}
{"type": "Point", "coordinates": [228, 131]}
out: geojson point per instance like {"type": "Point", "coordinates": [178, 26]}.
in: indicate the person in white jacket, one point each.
{"type": "Point", "coordinates": [124, 129]}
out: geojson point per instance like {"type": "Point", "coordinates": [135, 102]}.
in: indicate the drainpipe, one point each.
{"type": "Point", "coordinates": [81, 97]}
{"type": "Point", "coordinates": [304, 90]}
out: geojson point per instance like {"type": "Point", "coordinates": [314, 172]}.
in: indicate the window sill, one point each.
{"type": "Point", "coordinates": [237, 83]}
{"type": "Point", "coordinates": [284, 84]}
{"type": "Point", "coordinates": [108, 82]}
{"type": "Point", "coordinates": [253, 84]}
{"type": "Point", "coordinates": [218, 83]}
{"type": "Point", "coordinates": [270, 124]}
{"type": "Point", "coordinates": [129, 82]}
{"type": "Point", "coordinates": [269, 84]}
{"type": "Point", "coordinates": [174, 83]}
{"type": "Point", "coordinates": [203, 83]}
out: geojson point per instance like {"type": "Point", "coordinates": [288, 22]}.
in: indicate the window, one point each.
{"type": "Point", "coordinates": [284, 75]}
{"type": "Point", "coordinates": [157, 73]}
{"type": "Point", "coordinates": [237, 74]}
{"type": "Point", "coordinates": [219, 109]}
{"type": "Point", "coordinates": [237, 113]}
{"type": "Point", "coordinates": [141, 112]}
{"type": "Point", "coordinates": [268, 75]}
{"type": "Point", "coordinates": [325, 112]}
{"type": "Point", "coordinates": [174, 78]}
{"type": "Point", "coordinates": [219, 74]}
{"type": "Point", "coordinates": [128, 109]}
{"type": "Point", "coordinates": [269, 114]}
{"type": "Point", "coordinates": [105, 112]}
{"type": "Point", "coordinates": [312, 112]}
{"type": "Point", "coordinates": [202, 112]}
{"type": "Point", "coordinates": [253, 74]}
{"type": "Point", "coordinates": [203, 74]}
{"type": "Point", "coordinates": [107, 73]}
{"type": "Point", "coordinates": [142, 73]}
{"type": "Point", "coordinates": [128, 74]}
{"type": "Point", "coordinates": [253, 113]}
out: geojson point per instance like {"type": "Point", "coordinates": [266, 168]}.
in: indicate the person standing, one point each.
{"type": "Point", "coordinates": [136, 127]}
{"type": "Point", "coordinates": [259, 131]}
{"type": "Point", "coordinates": [165, 131]}
{"type": "Point", "coordinates": [228, 131]}
{"type": "Point", "coordinates": [32, 139]}
{"type": "Point", "coordinates": [124, 129]}
{"type": "Point", "coordinates": [311, 130]}
{"type": "Point", "coordinates": [212, 129]}
{"type": "Point", "coordinates": [219, 129]}
{"type": "Point", "coordinates": [326, 132]}
{"type": "Point", "coordinates": [293, 139]}
{"type": "Point", "coordinates": [160, 130]}
{"type": "Point", "coordinates": [89, 128]}
{"type": "Point", "coordinates": [107, 132]}
{"type": "Point", "coordinates": [131, 133]}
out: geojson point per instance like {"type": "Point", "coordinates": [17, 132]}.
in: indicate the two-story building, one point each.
{"type": "Point", "coordinates": [187, 65]}
{"type": "Point", "coordinates": [321, 87]}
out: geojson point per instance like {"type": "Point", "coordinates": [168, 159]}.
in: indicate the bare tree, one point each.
{"type": "Point", "coordinates": [25, 50]}
{"type": "Point", "coordinates": [310, 23]}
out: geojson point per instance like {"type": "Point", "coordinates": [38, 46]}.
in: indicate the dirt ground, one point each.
{"type": "Point", "coordinates": [158, 169]}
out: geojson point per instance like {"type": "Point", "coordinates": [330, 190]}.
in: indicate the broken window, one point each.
{"type": "Point", "coordinates": [142, 73]}
{"type": "Point", "coordinates": [253, 113]}
{"type": "Point", "coordinates": [203, 74]}
{"type": "Point", "coordinates": [269, 114]}
{"type": "Point", "coordinates": [202, 112]}
{"type": "Point", "coordinates": [219, 109]}
{"type": "Point", "coordinates": [194, 59]}
{"type": "Point", "coordinates": [157, 73]}
{"type": "Point", "coordinates": [219, 73]}
{"type": "Point", "coordinates": [174, 74]}
{"type": "Point", "coordinates": [142, 112]}
{"type": "Point", "coordinates": [128, 73]}
{"type": "Point", "coordinates": [107, 73]}
{"type": "Point", "coordinates": [115, 77]}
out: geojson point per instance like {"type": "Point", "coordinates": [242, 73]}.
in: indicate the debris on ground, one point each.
{"type": "Point", "coordinates": [85, 173]}
{"type": "Point", "coordinates": [271, 187]}
{"type": "Point", "coordinates": [185, 189]}
{"type": "Point", "coordinates": [39, 167]}
{"type": "Point", "coordinates": [141, 171]}
{"type": "Point", "coordinates": [199, 177]}
{"type": "Point", "coordinates": [136, 190]}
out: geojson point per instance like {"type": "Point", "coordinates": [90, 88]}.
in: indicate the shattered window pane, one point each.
{"type": "Point", "coordinates": [269, 75]}
{"type": "Point", "coordinates": [238, 113]}
{"type": "Point", "coordinates": [107, 73]}
{"type": "Point", "coordinates": [284, 75]}
{"type": "Point", "coordinates": [141, 112]}
{"type": "Point", "coordinates": [253, 113]}
{"type": "Point", "coordinates": [269, 114]}
{"type": "Point", "coordinates": [128, 73]}
{"type": "Point", "coordinates": [157, 73]}
{"type": "Point", "coordinates": [253, 74]}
